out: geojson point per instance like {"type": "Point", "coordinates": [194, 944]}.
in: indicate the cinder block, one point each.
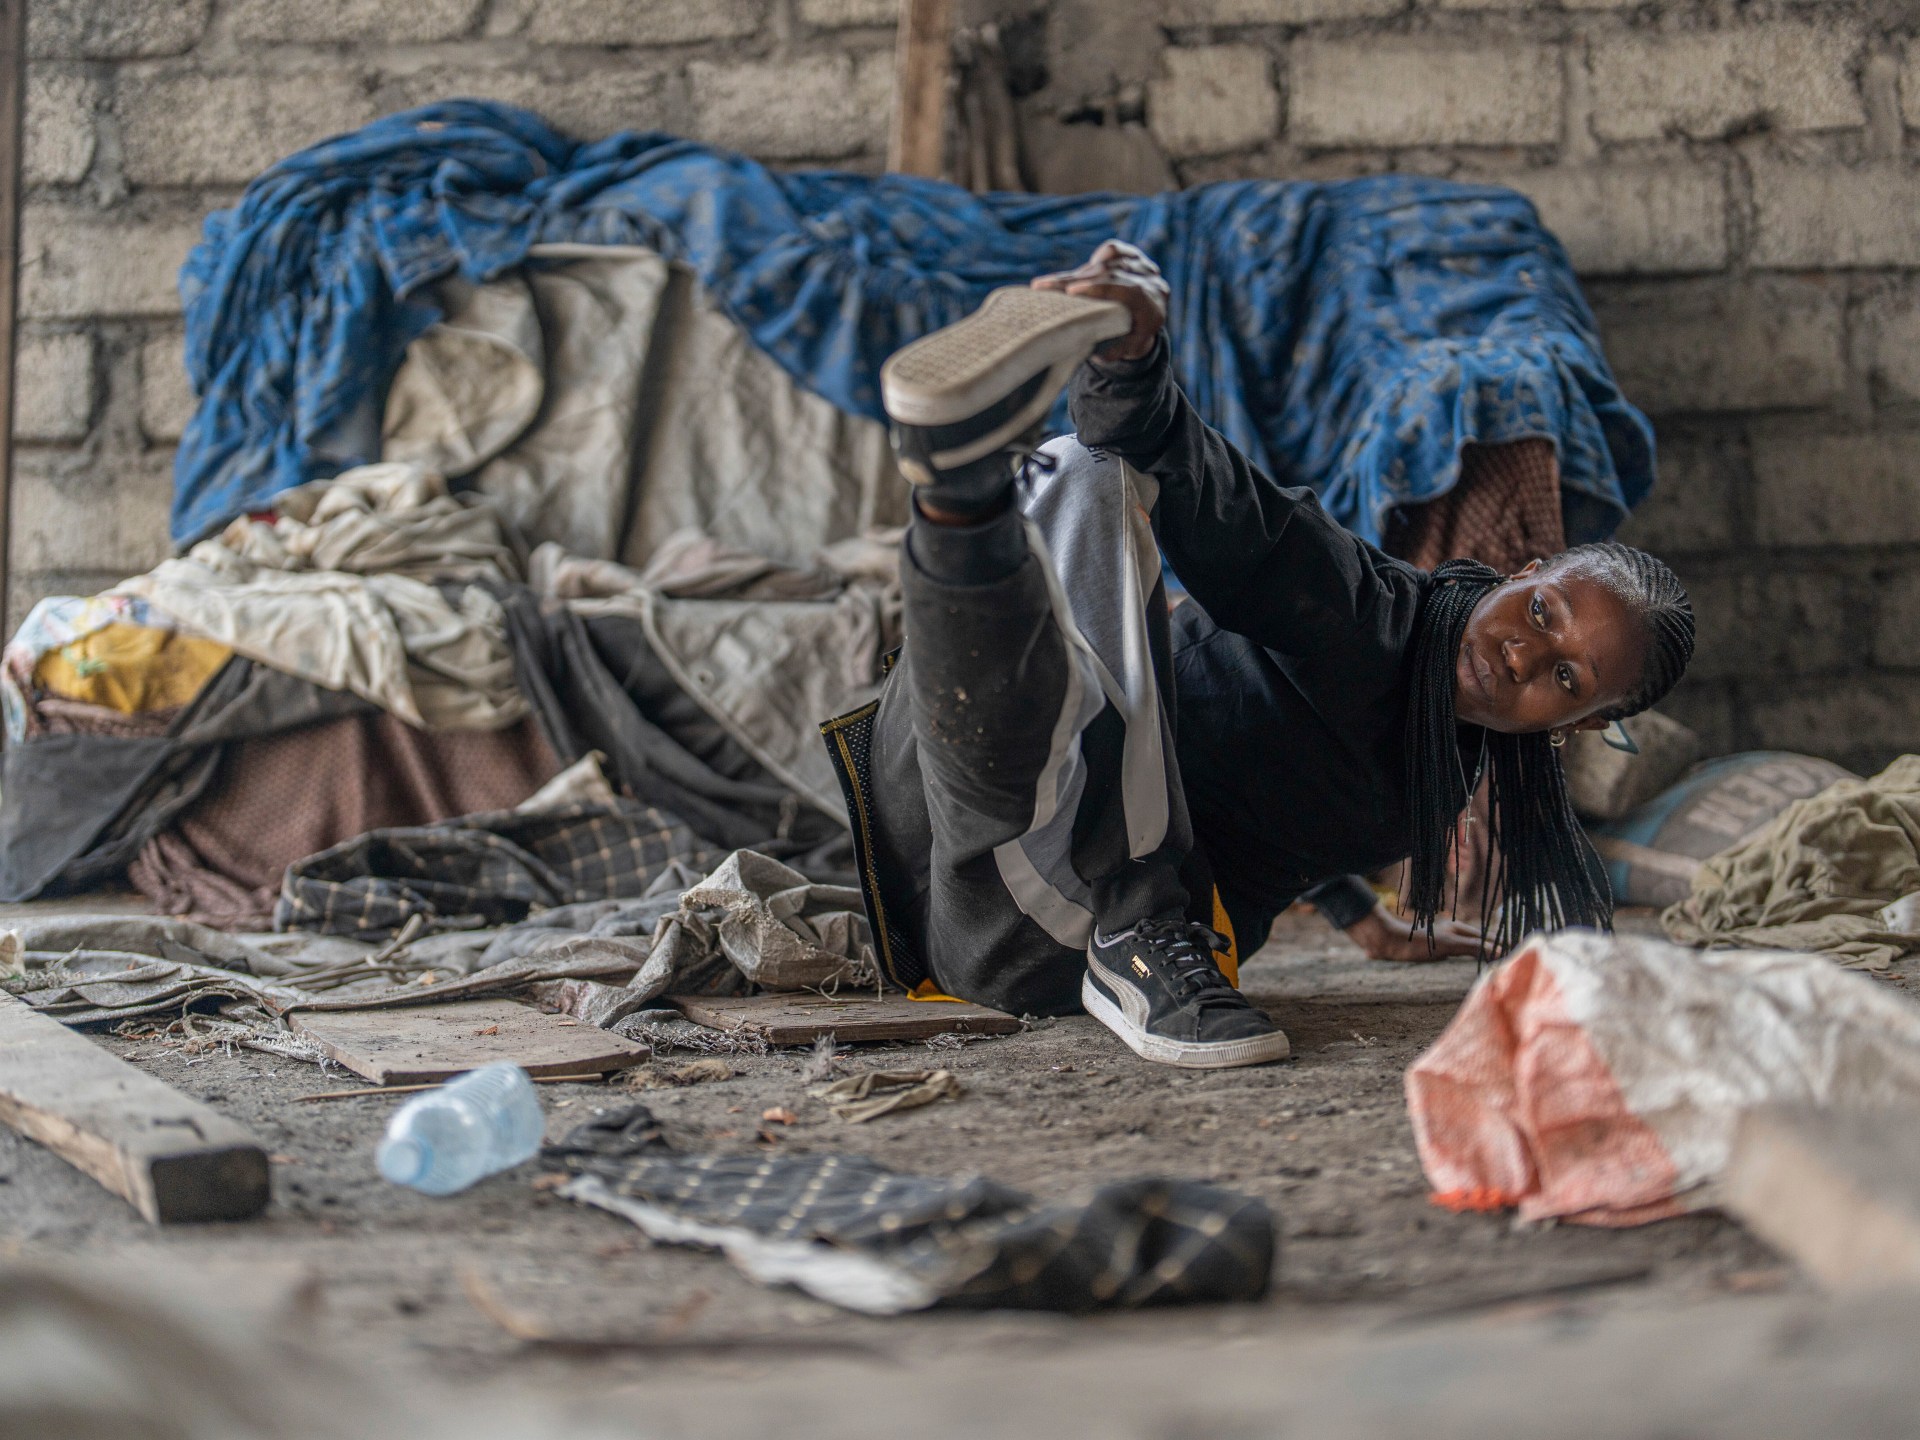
{"type": "Point", "coordinates": [817, 108]}
{"type": "Point", "coordinates": [1859, 489]}
{"type": "Point", "coordinates": [76, 263]}
{"type": "Point", "coordinates": [1762, 345]}
{"type": "Point", "coordinates": [1837, 1190]}
{"type": "Point", "coordinates": [166, 397]}
{"type": "Point", "coordinates": [60, 137]}
{"type": "Point", "coordinates": [53, 388]}
{"type": "Point", "coordinates": [383, 21]}
{"type": "Point", "coordinates": [1419, 92]}
{"type": "Point", "coordinates": [1860, 721]}
{"type": "Point", "coordinates": [113, 29]}
{"type": "Point", "coordinates": [300, 22]}
{"type": "Point", "coordinates": [1633, 219]}
{"type": "Point", "coordinates": [1808, 216]}
{"type": "Point", "coordinates": [1894, 345]}
{"type": "Point", "coordinates": [1706, 84]}
{"type": "Point", "coordinates": [1781, 623]}
{"type": "Point", "coordinates": [1277, 12]}
{"type": "Point", "coordinates": [588, 105]}
{"type": "Point", "coordinates": [187, 128]}
{"type": "Point", "coordinates": [644, 22]}
{"type": "Point", "coordinates": [840, 14]}
{"type": "Point", "coordinates": [111, 521]}
{"type": "Point", "coordinates": [1896, 633]}
{"type": "Point", "coordinates": [1691, 506]}
{"type": "Point", "coordinates": [1212, 99]}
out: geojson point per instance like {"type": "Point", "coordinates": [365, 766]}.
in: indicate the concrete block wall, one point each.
{"type": "Point", "coordinates": [1736, 181]}
{"type": "Point", "coordinates": [143, 115]}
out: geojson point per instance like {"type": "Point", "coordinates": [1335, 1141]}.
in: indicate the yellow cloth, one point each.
{"type": "Point", "coordinates": [131, 668]}
{"type": "Point", "coordinates": [1838, 873]}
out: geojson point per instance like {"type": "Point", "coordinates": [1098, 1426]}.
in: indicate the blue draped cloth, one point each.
{"type": "Point", "coordinates": [1350, 336]}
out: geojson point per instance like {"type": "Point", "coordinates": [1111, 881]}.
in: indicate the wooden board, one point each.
{"type": "Point", "coordinates": [803, 1017]}
{"type": "Point", "coordinates": [1837, 1190]}
{"type": "Point", "coordinates": [436, 1042]}
{"type": "Point", "coordinates": [923, 63]}
{"type": "Point", "coordinates": [173, 1159]}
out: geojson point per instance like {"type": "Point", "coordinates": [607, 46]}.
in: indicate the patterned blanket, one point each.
{"type": "Point", "coordinates": [1350, 336]}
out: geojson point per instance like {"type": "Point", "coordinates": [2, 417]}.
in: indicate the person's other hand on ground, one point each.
{"type": "Point", "coordinates": [1387, 936]}
{"type": "Point", "coordinates": [1122, 273]}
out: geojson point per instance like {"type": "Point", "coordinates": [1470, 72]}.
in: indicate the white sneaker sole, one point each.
{"type": "Point", "coordinates": [1018, 333]}
{"type": "Point", "coordinates": [1185, 1054]}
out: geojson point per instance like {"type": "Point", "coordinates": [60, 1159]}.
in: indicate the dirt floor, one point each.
{"type": "Point", "coordinates": [1324, 1138]}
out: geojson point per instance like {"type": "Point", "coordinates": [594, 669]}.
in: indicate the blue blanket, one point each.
{"type": "Point", "coordinates": [1349, 336]}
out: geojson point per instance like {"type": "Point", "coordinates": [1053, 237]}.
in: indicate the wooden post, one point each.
{"type": "Point", "coordinates": [917, 143]}
{"type": "Point", "coordinates": [13, 89]}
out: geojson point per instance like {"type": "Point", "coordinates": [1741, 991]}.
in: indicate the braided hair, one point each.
{"type": "Point", "coordinates": [1547, 875]}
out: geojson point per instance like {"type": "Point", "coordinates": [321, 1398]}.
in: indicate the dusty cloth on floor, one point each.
{"type": "Point", "coordinates": [391, 621]}
{"type": "Point", "coordinates": [131, 668]}
{"type": "Point", "coordinates": [858, 1235]}
{"type": "Point", "coordinates": [1504, 511]}
{"type": "Point", "coordinates": [1838, 873]}
{"type": "Point", "coordinates": [603, 401]}
{"type": "Point", "coordinates": [276, 799]}
{"type": "Point", "coordinates": [767, 651]}
{"type": "Point", "coordinates": [484, 869]}
{"type": "Point", "coordinates": [76, 808]}
{"type": "Point", "coordinates": [752, 921]}
{"type": "Point", "coordinates": [1601, 1078]}
{"type": "Point", "coordinates": [860, 1098]}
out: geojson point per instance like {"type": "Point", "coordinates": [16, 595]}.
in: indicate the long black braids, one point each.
{"type": "Point", "coordinates": [1547, 875]}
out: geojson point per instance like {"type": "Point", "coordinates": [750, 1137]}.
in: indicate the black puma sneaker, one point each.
{"type": "Point", "coordinates": [964, 396]}
{"type": "Point", "coordinates": [1157, 987]}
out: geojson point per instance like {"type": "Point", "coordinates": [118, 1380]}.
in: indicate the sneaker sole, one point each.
{"type": "Point", "coordinates": [1184, 1054]}
{"type": "Point", "coordinates": [1018, 333]}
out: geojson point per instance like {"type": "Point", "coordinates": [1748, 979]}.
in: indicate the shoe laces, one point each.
{"type": "Point", "coordinates": [1187, 947]}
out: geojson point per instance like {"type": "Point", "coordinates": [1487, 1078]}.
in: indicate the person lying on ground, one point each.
{"type": "Point", "coordinates": [1066, 796]}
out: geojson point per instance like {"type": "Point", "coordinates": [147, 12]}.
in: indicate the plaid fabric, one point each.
{"type": "Point", "coordinates": [483, 870]}
{"type": "Point", "coordinates": [969, 1241]}
{"type": "Point", "coordinates": [277, 798]}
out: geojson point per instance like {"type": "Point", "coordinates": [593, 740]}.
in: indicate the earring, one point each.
{"type": "Point", "coordinates": [1557, 738]}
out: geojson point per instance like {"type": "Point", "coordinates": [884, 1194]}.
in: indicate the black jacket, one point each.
{"type": "Point", "coordinates": [1291, 660]}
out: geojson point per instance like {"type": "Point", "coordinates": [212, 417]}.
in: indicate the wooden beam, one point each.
{"type": "Point", "coordinates": [1837, 1190]}
{"type": "Point", "coordinates": [173, 1159]}
{"type": "Point", "coordinates": [13, 89]}
{"type": "Point", "coordinates": [802, 1017]}
{"type": "Point", "coordinates": [917, 143]}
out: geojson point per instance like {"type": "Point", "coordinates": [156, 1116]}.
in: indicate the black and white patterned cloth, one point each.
{"type": "Point", "coordinates": [483, 870]}
{"type": "Point", "coordinates": [853, 1232]}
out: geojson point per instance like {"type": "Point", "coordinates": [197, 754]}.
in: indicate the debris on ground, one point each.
{"type": "Point", "coordinates": [859, 1098]}
{"type": "Point", "coordinates": [1601, 1078]}
{"type": "Point", "coordinates": [853, 1232]}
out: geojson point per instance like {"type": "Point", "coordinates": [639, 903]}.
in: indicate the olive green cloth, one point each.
{"type": "Point", "coordinates": [1829, 873]}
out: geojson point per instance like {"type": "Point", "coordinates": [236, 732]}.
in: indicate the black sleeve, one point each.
{"type": "Point", "coordinates": [1263, 560]}
{"type": "Point", "coordinates": [1344, 900]}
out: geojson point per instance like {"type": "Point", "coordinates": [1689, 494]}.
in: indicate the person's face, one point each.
{"type": "Point", "coordinates": [1547, 651]}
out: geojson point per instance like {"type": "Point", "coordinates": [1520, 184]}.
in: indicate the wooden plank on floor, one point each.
{"type": "Point", "coordinates": [436, 1042]}
{"type": "Point", "coordinates": [173, 1159]}
{"type": "Point", "coordinates": [803, 1017]}
{"type": "Point", "coordinates": [1838, 1191]}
